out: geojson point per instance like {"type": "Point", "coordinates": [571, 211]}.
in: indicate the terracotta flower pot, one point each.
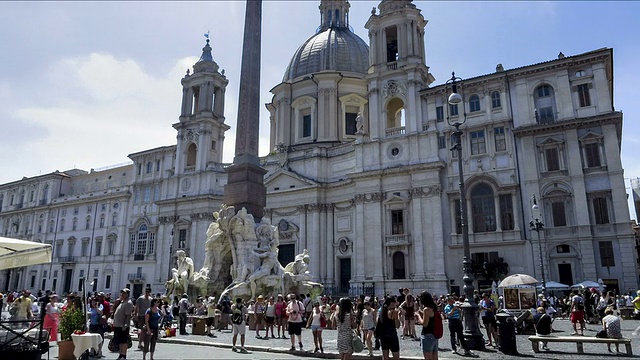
{"type": "Point", "coordinates": [65, 350]}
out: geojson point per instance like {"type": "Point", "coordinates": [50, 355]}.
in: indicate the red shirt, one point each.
{"type": "Point", "coordinates": [106, 308]}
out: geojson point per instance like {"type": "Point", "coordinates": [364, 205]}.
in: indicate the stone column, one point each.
{"type": "Point", "coordinates": [245, 186]}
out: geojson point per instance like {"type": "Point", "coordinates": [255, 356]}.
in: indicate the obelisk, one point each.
{"type": "Point", "coordinates": [245, 178]}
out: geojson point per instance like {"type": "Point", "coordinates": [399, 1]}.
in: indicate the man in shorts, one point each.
{"type": "Point", "coordinates": [238, 316]}
{"type": "Point", "coordinates": [295, 311]}
{"type": "Point", "coordinates": [121, 320]}
{"type": "Point", "coordinates": [577, 313]}
{"type": "Point", "coordinates": [141, 307]}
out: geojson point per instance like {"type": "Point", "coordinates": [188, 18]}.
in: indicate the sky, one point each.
{"type": "Point", "coordinates": [84, 84]}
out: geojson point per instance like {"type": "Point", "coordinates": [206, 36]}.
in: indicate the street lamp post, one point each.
{"type": "Point", "coordinates": [470, 308]}
{"type": "Point", "coordinates": [537, 226]}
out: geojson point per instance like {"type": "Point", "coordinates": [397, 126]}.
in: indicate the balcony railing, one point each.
{"type": "Point", "coordinates": [392, 65]}
{"type": "Point", "coordinates": [136, 277]}
{"type": "Point", "coordinates": [395, 131]}
{"type": "Point", "coordinates": [395, 240]}
{"type": "Point", "coordinates": [67, 260]}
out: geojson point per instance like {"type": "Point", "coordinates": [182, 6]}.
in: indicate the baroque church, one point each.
{"type": "Point", "coordinates": [361, 174]}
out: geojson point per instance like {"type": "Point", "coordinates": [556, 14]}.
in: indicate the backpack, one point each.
{"type": "Point", "coordinates": [437, 325]}
{"type": "Point", "coordinates": [237, 315]}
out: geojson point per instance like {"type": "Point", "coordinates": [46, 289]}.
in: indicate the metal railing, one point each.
{"type": "Point", "coordinates": [67, 260]}
{"type": "Point", "coordinates": [136, 277]}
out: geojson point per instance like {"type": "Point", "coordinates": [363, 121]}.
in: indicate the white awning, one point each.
{"type": "Point", "coordinates": [18, 253]}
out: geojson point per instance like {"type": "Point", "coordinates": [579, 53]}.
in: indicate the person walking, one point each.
{"type": "Point", "coordinates": [281, 315]}
{"type": "Point", "coordinates": [238, 319]}
{"type": "Point", "coordinates": [454, 314]}
{"type": "Point", "coordinates": [140, 309]}
{"type": "Point", "coordinates": [183, 309]}
{"type": "Point", "coordinates": [345, 320]}
{"type": "Point", "coordinates": [386, 329]}
{"type": "Point", "coordinates": [429, 342]}
{"type": "Point", "coordinates": [369, 317]}
{"type": "Point", "coordinates": [152, 320]}
{"type": "Point", "coordinates": [295, 311]}
{"type": "Point", "coordinates": [315, 322]}
{"type": "Point", "coordinates": [95, 326]}
{"type": "Point", "coordinates": [211, 315]}
{"type": "Point", "coordinates": [52, 318]}
{"type": "Point", "coordinates": [121, 320]}
{"type": "Point", "coordinates": [270, 317]}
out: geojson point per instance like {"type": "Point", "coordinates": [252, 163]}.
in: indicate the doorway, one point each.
{"type": "Point", "coordinates": [566, 275]}
{"type": "Point", "coordinates": [286, 253]}
{"type": "Point", "coordinates": [345, 275]}
{"type": "Point", "coordinates": [137, 290]}
{"type": "Point", "coordinates": [68, 276]}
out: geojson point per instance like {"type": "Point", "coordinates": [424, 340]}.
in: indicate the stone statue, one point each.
{"type": "Point", "coordinates": [359, 123]}
{"type": "Point", "coordinates": [269, 266]}
{"type": "Point", "coordinates": [181, 276]}
{"type": "Point", "coordinates": [297, 279]}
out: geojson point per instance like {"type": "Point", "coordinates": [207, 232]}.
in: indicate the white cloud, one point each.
{"type": "Point", "coordinates": [105, 108]}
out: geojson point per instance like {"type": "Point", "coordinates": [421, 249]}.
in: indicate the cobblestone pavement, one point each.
{"type": "Point", "coordinates": [278, 348]}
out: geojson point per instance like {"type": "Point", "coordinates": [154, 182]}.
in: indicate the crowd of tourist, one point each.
{"type": "Point", "coordinates": [378, 323]}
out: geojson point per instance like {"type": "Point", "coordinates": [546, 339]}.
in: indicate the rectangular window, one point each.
{"type": "Point", "coordinates": [136, 197]}
{"type": "Point", "coordinates": [478, 145]}
{"type": "Point", "coordinates": [111, 246]}
{"type": "Point", "coordinates": [350, 123]}
{"type": "Point", "coordinates": [147, 194]}
{"type": "Point", "coordinates": [592, 154]}
{"type": "Point", "coordinates": [156, 193]}
{"type": "Point", "coordinates": [95, 285]}
{"type": "Point", "coordinates": [103, 206]}
{"type": "Point", "coordinates": [453, 110]}
{"type": "Point", "coordinates": [559, 216]}
{"type": "Point", "coordinates": [397, 222]}
{"type": "Point", "coordinates": [83, 248]}
{"type": "Point", "coordinates": [439, 114]}
{"type": "Point", "coordinates": [63, 212]}
{"type": "Point", "coordinates": [562, 249]}
{"type": "Point", "coordinates": [499, 139]}
{"type": "Point", "coordinates": [182, 238]}
{"type": "Point", "coordinates": [442, 142]}
{"type": "Point", "coordinates": [583, 95]}
{"type": "Point", "coordinates": [600, 210]}
{"type": "Point", "coordinates": [544, 91]}
{"type": "Point", "coordinates": [132, 244]}
{"type": "Point", "coordinates": [506, 212]}
{"type": "Point", "coordinates": [33, 281]}
{"type": "Point", "coordinates": [95, 273]}
{"type": "Point", "coordinates": [89, 208]}
{"type": "Point", "coordinates": [80, 283]}
{"type": "Point", "coordinates": [107, 282]}
{"type": "Point", "coordinates": [306, 125]}
{"type": "Point", "coordinates": [545, 115]}
{"type": "Point", "coordinates": [552, 160]}
{"type": "Point", "coordinates": [54, 285]}
{"type": "Point", "coordinates": [606, 254]}
{"type": "Point", "coordinates": [44, 284]}
{"type": "Point", "coordinates": [98, 248]}
{"type": "Point", "coordinates": [495, 100]}
{"type": "Point", "coordinates": [152, 242]}
{"type": "Point", "coordinates": [458, 217]}
{"type": "Point", "coordinates": [75, 210]}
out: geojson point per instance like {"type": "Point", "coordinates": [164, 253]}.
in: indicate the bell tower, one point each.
{"type": "Point", "coordinates": [397, 69]}
{"type": "Point", "coordinates": [201, 128]}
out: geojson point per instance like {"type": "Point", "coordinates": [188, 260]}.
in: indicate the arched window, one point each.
{"type": "Point", "coordinates": [398, 265]}
{"type": "Point", "coordinates": [74, 225]}
{"type": "Point", "coordinates": [192, 150]}
{"type": "Point", "coordinates": [102, 221]}
{"type": "Point", "coordinates": [395, 114]}
{"type": "Point", "coordinates": [474, 103]}
{"type": "Point", "coordinates": [545, 104]}
{"type": "Point", "coordinates": [141, 245]}
{"type": "Point", "coordinates": [495, 100]}
{"type": "Point", "coordinates": [87, 223]}
{"type": "Point", "coordinates": [21, 197]}
{"type": "Point", "coordinates": [114, 219]}
{"type": "Point", "coordinates": [149, 167]}
{"type": "Point", "coordinates": [51, 226]}
{"type": "Point", "coordinates": [483, 208]}
{"type": "Point", "coordinates": [62, 223]}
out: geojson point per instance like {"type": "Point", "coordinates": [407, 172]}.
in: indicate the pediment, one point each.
{"type": "Point", "coordinates": [590, 135]}
{"type": "Point", "coordinates": [396, 198]}
{"type": "Point", "coordinates": [550, 140]}
{"type": "Point", "coordinates": [283, 179]}
{"type": "Point", "coordinates": [182, 221]}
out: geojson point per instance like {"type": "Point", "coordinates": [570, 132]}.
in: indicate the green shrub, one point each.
{"type": "Point", "coordinates": [71, 319]}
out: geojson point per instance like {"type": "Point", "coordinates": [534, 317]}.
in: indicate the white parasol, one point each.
{"type": "Point", "coordinates": [17, 253]}
{"type": "Point", "coordinates": [517, 280]}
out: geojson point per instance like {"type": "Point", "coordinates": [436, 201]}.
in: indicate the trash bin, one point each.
{"type": "Point", "coordinates": [507, 333]}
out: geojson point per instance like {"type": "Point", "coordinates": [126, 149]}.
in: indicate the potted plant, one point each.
{"type": "Point", "coordinates": [72, 320]}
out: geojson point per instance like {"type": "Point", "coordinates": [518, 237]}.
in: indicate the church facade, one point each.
{"type": "Point", "coordinates": [362, 174]}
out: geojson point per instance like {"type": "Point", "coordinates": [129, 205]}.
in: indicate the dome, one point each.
{"type": "Point", "coordinates": [333, 48]}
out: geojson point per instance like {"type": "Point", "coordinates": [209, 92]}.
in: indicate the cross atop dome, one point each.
{"type": "Point", "coordinates": [334, 14]}
{"type": "Point", "coordinates": [206, 63]}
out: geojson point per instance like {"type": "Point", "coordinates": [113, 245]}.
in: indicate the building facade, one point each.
{"type": "Point", "coordinates": [361, 174]}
